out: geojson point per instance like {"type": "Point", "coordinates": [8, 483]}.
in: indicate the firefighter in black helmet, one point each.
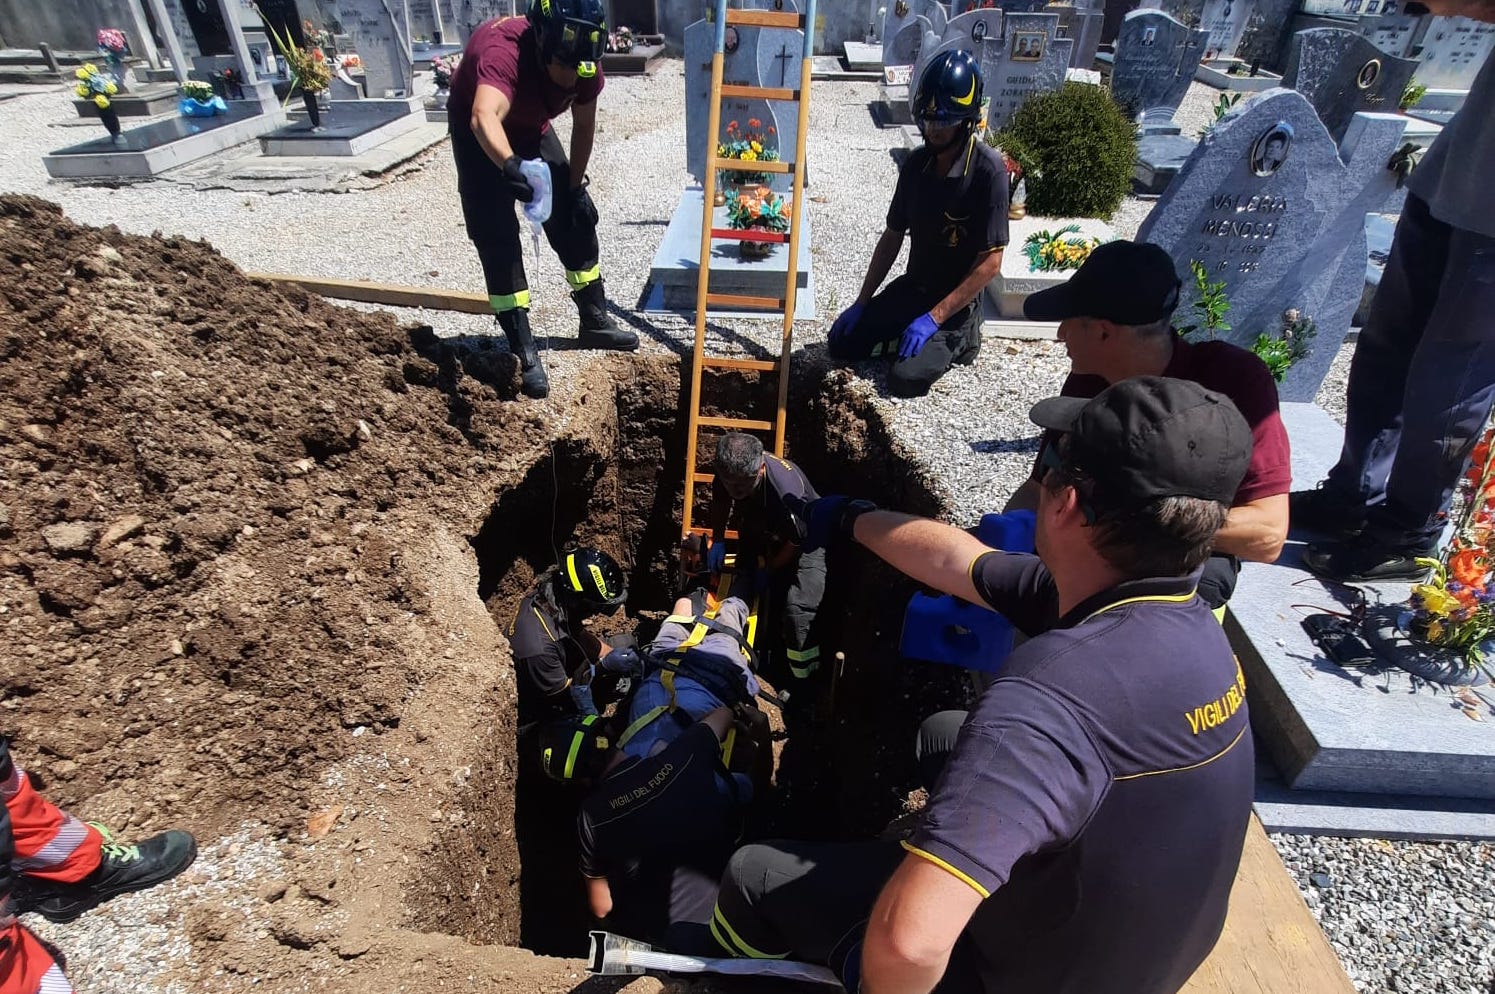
{"type": "Point", "coordinates": [951, 201]}
{"type": "Point", "coordinates": [516, 75]}
{"type": "Point", "coordinates": [555, 655]}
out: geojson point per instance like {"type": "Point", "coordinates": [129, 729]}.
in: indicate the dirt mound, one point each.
{"type": "Point", "coordinates": [234, 530]}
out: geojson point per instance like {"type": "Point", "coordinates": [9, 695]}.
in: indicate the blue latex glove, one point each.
{"type": "Point", "coordinates": [623, 660]}
{"type": "Point", "coordinates": [581, 696]}
{"type": "Point", "coordinates": [847, 321]}
{"type": "Point", "coordinates": [716, 557]}
{"type": "Point", "coordinates": [916, 336]}
{"type": "Point", "coordinates": [831, 518]}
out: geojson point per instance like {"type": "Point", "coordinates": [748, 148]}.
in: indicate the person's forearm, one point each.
{"type": "Point", "coordinates": [489, 129]}
{"type": "Point", "coordinates": [1254, 532]}
{"type": "Point", "coordinates": [981, 274]}
{"type": "Point", "coordinates": [885, 973]}
{"type": "Point", "coordinates": [935, 554]}
{"type": "Point", "coordinates": [883, 257]}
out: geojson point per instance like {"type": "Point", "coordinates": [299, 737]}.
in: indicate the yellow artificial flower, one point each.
{"type": "Point", "coordinates": [81, 73]}
{"type": "Point", "coordinates": [89, 68]}
{"type": "Point", "coordinates": [101, 101]}
{"type": "Point", "coordinates": [1437, 601]}
{"type": "Point", "coordinates": [81, 90]}
{"type": "Point", "coordinates": [750, 156]}
{"type": "Point", "coordinates": [1435, 631]}
{"type": "Point", "coordinates": [110, 89]}
{"type": "Point", "coordinates": [757, 146]}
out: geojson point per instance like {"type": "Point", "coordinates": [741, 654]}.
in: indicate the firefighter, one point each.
{"type": "Point", "coordinates": [516, 75]}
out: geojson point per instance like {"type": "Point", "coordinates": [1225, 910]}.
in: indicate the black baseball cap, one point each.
{"type": "Point", "coordinates": [1130, 283]}
{"type": "Point", "coordinates": [1150, 437]}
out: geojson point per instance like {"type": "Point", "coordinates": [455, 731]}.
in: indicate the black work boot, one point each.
{"type": "Point", "coordinates": [532, 379]}
{"type": "Point", "coordinates": [121, 869]}
{"type": "Point", "coordinates": [598, 331]}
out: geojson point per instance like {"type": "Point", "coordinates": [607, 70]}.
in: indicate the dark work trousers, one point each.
{"type": "Point", "coordinates": [882, 324]}
{"type": "Point", "coordinates": [1421, 381]}
{"type": "Point", "coordinates": [493, 222]}
{"type": "Point", "coordinates": [811, 901]}
{"type": "Point", "coordinates": [801, 605]}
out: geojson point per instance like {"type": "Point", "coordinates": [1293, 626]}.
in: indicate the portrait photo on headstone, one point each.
{"type": "Point", "coordinates": [1369, 73]}
{"type": "Point", "coordinates": [1269, 152]}
{"type": "Point", "coordinates": [1149, 36]}
{"type": "Point", "coordinates": [978, 31]}
{"type": "Point", "coordinates": [1027, 46]}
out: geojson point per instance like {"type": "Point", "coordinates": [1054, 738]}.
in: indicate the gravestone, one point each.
{"type": "Point", "coordinates": [1453, 50]}
{"type": "Point", "coordinates": [1342, 73]}
{"type": "Point", "coordinates": [1225, 21]}
{"type": "Point", "coordinates": [900, 14]}
{"type": "Point", "coordinates": [1393, 34]}
{"type": "Point", "coordinates": [754, 57]}
{"type": "Point", "coordinates": [1269, 205]}
{"type": "Point", "coordinates": [1155, 60]}
{"type": "Point", "coordinates": [381, 44]}
{"type": "Point", "coordinates": [1082, 26]}
{"type": "Point", "coordinates": [978, 32]}
{"type": "Point", "coordinates": [1030, 60]}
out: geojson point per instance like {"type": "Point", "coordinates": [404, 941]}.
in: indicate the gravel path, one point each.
{"type": "Point", "coordinates": [1403, 916]}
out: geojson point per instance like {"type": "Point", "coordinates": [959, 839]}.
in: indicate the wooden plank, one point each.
{"type": "Point", "coordinates": [736, 424]}
{"type": "Point", "coordinates": [1271, 943]}
{"type": "Point", "coordinates": [387, 294]}
{"type": "Point", "coordinates": [723, 362]}
{"type": "Point", "coordinates": [759, 92]}
{"type": "Point", "coordinates": [766, 18]}
{"type": "Point", "coordinates": [744, 300]}
{"type": "Point", "coordinates": [756, 166]}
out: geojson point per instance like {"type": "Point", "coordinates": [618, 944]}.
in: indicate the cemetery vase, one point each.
{"type": "Point", "coordinates": [755, 250]}
{"type": "Point", "coordinates": [110, 117]}
{"type": "Point", "coordinates": [312, 110]}
{"type": "Point", "coordinates": [439, 101]}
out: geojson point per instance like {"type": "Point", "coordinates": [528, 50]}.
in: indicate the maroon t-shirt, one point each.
{"type": "Point", "coordinates": [1244, 378]}
{"type": "Point", "coordinates": [503, 53]}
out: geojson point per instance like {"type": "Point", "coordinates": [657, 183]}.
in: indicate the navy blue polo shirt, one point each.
{"type": "Point", "coordinates": [769, 517]}
{"type": "Point", "coordinates": [1098, 795]}
{"type": "Point", "coordinates": [661, 831]}
{"type": "Point", "coordinates": [951, 220]}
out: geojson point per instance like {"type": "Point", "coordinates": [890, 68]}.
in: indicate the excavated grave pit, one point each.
{"type": "Point", "coordinates": [258, 551]}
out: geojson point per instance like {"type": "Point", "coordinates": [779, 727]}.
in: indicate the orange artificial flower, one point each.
{"type": "Point", "coordinates": [1468, 567]}
{"type": "Point", "coordinates": [753, 122]}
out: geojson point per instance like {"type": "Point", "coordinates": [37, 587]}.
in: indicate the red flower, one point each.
{"type": "Point", "coordinates": [1468, 567]}
{"type": "Point", "coordinates": [753, 122]}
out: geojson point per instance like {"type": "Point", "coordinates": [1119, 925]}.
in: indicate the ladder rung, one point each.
{"type": "Point", "coordinates": [730, 534]}
{"type": "Point", "coordinates": [763, 365]}
{"type": "Point", "coordinates": [702, 478]}
{"type": "Point", "coordinates": [750, 235]}
{"type": "Point", "coordinates": [756, 166]}
{"type": "Point", "coordinates": [759, 92]}
{"type": "Point", "coordinates": [766, 18]}
{"type": "Point", "coordinates": [742, 300]}
{"type": "Point", "coordinates": [743, 423]}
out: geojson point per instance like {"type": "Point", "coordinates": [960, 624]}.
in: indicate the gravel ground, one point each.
{"type": "Point", "coordinates": [1403, 916]}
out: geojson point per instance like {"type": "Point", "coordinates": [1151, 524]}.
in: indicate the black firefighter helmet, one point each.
{"type": "Point", "coordinates": [950, 92]}
{"type": "Point", "coordinates": [573, 748]}
{"type": "Point", "coordinates": [592, 577]}
{"type": "Point", "coordinates": [571, 32]}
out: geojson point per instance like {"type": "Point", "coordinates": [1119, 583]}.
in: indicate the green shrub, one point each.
{"type": "Point", "coordinates": [1077, 149]}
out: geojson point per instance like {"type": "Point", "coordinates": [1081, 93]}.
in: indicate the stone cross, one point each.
{"type": "Point", "coordinates": [783, 60]}
{"type": "Point", "coordinates": [1156, 56]}
{"type": "Point", "coordinates": [1269, 205]}
{"type": "Point", "coordinates": [1342, 73]}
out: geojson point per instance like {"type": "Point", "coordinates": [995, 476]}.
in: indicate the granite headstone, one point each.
{"type": "Point", "coordinates": [1031, 59]}
{"type": "Point", "coordinates": [1453, 50]}
{"type": "Point", "coordinates": [978, 32]}
{"type": "Point", "coordinates": [754, 57]}
{"type": "Point", "coordinates": [1225, 21]}
{"type": "Point", "coordinates": [1082, 26]}
{"type": "Point", "coordinates": [1394, 34]}
{"type": "Point", "coordinates": [1342, 73]}
{"type": "Point", "coordinates": [381, 44]}
{"type": "Point", "coordinates": [1269, 205]}
{"type": "Point", "coordinates": [902, 13]}
{"type": "Point", "coordinates": [1155, 60]}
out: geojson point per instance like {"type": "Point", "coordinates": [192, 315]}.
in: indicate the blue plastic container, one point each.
{"type": "Point", "coordinates": [948, 630]}
{"type": "Point", "coordinates": [1010, 532]}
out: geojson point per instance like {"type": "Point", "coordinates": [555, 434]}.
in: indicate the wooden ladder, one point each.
{"type": "Point", "coordinates": [704, 297]}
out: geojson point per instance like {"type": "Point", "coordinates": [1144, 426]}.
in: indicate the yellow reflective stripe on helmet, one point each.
{"type": "Point", "coordinates": [579, 278]}
{"type": "Point", "coordinates": [738, 946]}
{"type": "Point", "coordinates": [501, 302]}
{"type": "Point", "coordinates": [571, 756]}
{"type": "Point", "coordinates": [571, 571]}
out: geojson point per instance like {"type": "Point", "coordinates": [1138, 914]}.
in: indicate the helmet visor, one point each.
{"type": "Point", "coordinates": [580, 43]}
